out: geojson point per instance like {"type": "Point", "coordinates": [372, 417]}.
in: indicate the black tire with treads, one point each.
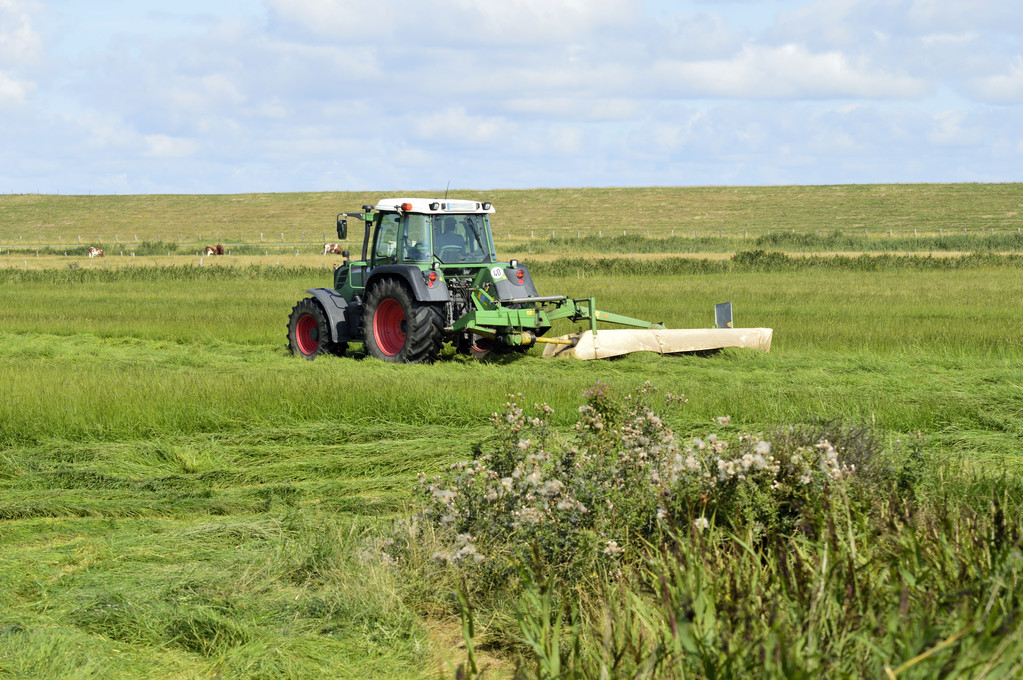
{"type": "Point", "coordinates": [399, 329]}
{"type": "Point", "coordinates": [308, 333]}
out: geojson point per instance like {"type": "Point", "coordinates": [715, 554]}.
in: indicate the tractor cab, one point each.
{"type": "Point", "coordinates": [422, 231]}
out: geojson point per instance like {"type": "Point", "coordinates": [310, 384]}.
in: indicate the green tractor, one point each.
{"type": "Point", "coordinates": [429, 274]}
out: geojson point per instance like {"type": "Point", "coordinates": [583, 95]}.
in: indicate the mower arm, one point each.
{"type": "Point", "coordinates": [572, 309]}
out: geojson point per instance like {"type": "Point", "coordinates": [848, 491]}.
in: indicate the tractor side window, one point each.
{"type": "Point", "coordinates": [387, 236]}
{"type": "Point", "coordinates": [415, 246]}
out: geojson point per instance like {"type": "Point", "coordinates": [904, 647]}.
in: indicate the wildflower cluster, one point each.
{"type": "Point", "coordinates": [621, 475]}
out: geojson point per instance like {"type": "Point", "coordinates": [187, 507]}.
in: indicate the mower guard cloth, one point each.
{"type": "Point", "coordinates": [612, 343]}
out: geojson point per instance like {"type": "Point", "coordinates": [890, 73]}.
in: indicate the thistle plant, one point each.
{"type": "Point", "coordinates": [619, 477]}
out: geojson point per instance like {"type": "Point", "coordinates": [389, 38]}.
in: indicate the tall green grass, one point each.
{"type": "Point", "coordinates": [180, 497]}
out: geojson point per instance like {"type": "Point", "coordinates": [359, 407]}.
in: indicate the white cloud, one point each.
{"type": "Point", "coordinates": [575, 108]}
{"type": "Point", "coordinates": [455, 126]}
{"type": "Point", "coordinates": [1003, 88]}
{"type": "Point", "coordinates": [786, 72]}
{"type": "Point", "coordinates": [13, 92]}
{"type": "Point", "coordinates": [165, 146]}
{"type": "Point", "coordinates": [20, 47]}
{"type": "Point", "coordinates": [19, 41]}
{"type": "Point", "coordinates": [454, 22]}
{"type": "Point", "coordinates": [950, 38]}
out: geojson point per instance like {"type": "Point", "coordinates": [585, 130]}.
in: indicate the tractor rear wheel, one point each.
{"type": "Point", "coordinates": [308, 332]}
{"type": "Point", "coordinates": [398, 328]}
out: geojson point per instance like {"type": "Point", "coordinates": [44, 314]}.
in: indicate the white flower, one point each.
{"type": "Point", "coordinates": [613, 549]}
{"type": "Point", "coordinates": [552, 488]}
{"type": "Point", "coordinates": [531, 515]}
{"type": "Point", "coordinates": [444, 496]}
{"type": "Point", "coordinates": [701, 523]}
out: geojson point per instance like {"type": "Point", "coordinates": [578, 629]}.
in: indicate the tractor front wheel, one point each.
{"type": "Point", "coordinates": [308, 332]}
{"type": "Point", "coordinates": [399, 329]}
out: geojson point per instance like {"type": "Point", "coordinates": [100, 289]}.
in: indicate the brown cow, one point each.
{"type": "Point", "coordinates": [215, 250]}
{"type": "Point", "coordinates": [332, 248]}
{"type": "Point", "coordinates": [95, 252]}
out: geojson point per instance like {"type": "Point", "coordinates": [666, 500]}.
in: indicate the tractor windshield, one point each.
{"type": "Point", "coordinates": [461, 238]}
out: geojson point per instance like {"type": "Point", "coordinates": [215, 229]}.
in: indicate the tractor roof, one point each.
{"type": "Point", "coordinates": [434, 206]}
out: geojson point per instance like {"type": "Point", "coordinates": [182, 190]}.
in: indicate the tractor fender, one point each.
{"type": "Point", "coordinates": [413, 276]}
{"type": "Point", "coordinates": [343, 317]}
{"type": "Point", "coordinates": [506, 290]}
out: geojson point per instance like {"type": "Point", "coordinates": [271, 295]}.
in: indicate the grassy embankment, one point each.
{"type": "Point", "coordinates": [290, 229]}
{"type": "Point", "coordinates": [180, 497]}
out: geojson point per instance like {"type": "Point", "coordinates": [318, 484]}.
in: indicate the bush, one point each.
{"type": "Point", "coordinates": [623, 478]}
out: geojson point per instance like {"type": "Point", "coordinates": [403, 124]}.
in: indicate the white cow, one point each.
{"type": "Point", "coordinates": [95, 252]}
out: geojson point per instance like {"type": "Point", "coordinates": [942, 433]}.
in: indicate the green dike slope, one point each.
{"type": "Point", "coordinates": [181, 498]}
{"type": "Point", "coordinates": [875, 212]}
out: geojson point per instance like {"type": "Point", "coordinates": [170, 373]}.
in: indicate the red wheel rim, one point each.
{"type": "Point", "coordinates": [389, 327]}
{"type": "Point", "coordinates": [307, 334]}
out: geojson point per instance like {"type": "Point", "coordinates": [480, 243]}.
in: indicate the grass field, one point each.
{"type": "Point", "coordinates": [181, 498]}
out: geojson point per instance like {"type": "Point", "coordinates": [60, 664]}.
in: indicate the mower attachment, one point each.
{"type": "Point", "coordinates": [611, 343]}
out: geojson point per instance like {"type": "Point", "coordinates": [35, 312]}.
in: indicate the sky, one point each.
{"type": "Point", "coordinates": [238, 96]}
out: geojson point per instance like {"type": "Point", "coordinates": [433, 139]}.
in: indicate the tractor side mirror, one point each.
{"type": "Point", "coordinates": [342, 228]}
